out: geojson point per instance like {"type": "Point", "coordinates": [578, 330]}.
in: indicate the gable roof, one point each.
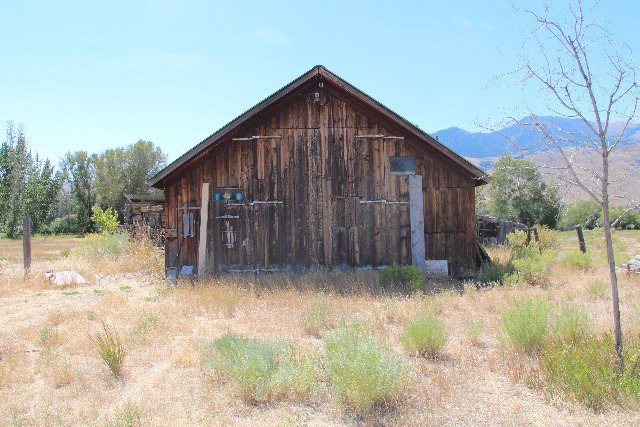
{"type": "Point", "coordinates": [317, 72]}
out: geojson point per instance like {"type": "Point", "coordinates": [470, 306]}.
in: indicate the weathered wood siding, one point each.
{"type": "Point", "coordinates": [322, 174]}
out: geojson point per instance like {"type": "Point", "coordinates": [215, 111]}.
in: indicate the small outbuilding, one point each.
{"type": "Point", "coordinates": [319, 174]}
{"type": "Point", "coordinates": [144, 209]}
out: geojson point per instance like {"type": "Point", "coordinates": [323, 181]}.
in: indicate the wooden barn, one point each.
{"type": "Point", "coordinates": [319, 174]}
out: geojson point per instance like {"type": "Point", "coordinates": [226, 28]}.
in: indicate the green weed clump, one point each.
{"type": "Point", "coordinates": [493, 272]}
{"type": "Point", "coordinates": [262, 371]}
{"type": "Point", "coordinates": [588, 371]}
{"type": "Point", "coordinates": [570, 324]}
{"type": "Point", "coordinates": [364, 373]}
{"type": "Point", "coordinates": [425, 335]}
{"type": "Point", "coordinates": [96, 246]}
{"type": "Point", "coordinates": [111, 349]}
{"type": "Point", "coordinates": [525, 324]}
{"type": "Point", "coordinates": [578, 260]}
{"type": "Point", "coordinates": [531, 262]}
{"type": "Point", "coordinates": [405, 276]}
{"type": "Point", "coordinates": [318, 317]}
{"type": "Point", "coordinates": [598, 288]}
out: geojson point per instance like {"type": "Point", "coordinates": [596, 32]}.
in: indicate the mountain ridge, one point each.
{"type": "Point", "coordinates": [500, 142]}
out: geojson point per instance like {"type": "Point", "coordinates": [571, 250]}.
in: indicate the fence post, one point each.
{"type": "Point", "coordinates": [26, 242]}
{"type": "Point", "coordinates": [583, 245]}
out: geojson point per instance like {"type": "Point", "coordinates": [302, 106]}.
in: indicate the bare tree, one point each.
{"type": "Point", "coordinates": [584, 74]}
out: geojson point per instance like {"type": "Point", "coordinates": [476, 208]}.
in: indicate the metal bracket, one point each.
{"type": "Point", "coordinates": [380, 136]}
{"type": "Point", "coordinates": [387, 202]}
{"type": "Point", "coordinates": [251, 138]}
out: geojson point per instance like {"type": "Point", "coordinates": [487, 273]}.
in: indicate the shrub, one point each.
{"type": "Point", "coordinates": [402, 275]}
{"type": "Point", "coordinates": [548, 238]}
{"type": "Point", "coordinates": [318, 317]}
{"type": "Point", "coordinates": [95, 246]}
{"type": "Point", "coordinates": [531, 263]}
{"type": "Point", "coordinates": [588, 370]}
{"type": "Point", "coordinates": [111, 348]}
{"type": "Point", "coordinates": [534, 267]}
{"type": "Point", "coordinates": [65, 225]}
{"type": "Point", "coordinates": [425, 335]}
{"type": "Point", "coordinates": [577, 259]}
{"type": "Point", "coordinates": [570, 323]}
{"type": "Point", "coordinates": [362, 372]}
{"type": "Point", "coordinates": [525, 324]}
{"type": "Point", "coordinates": [493, 272]}
{"type": "Point", "coordinates": [262, 371]}
{"type": "Point", "coordinates": [107, 219]}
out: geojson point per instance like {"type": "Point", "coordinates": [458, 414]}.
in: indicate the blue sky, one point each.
{"type": "Point", "coordinates": [94, 75]}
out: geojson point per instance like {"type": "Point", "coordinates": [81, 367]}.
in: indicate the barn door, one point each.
{"type": "Point", "coordinates": [228, 234]}
{"type": "Point", "coordinates": [248, 236]}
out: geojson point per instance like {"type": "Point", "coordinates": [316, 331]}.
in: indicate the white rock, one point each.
{"type": "Point", "coordinates": [64, 278]}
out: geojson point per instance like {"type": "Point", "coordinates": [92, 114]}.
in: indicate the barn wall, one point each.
{"type": "Point", "coordinates": [322, 172]}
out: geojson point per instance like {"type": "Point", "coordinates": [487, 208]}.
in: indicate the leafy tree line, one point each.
{"type": "Point", "coordinates": [516, 192]}
{"type": "Point", "coordinates": [61, 199]}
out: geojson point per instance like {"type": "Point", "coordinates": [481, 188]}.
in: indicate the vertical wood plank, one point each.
{"type": "Point", "coordinates": [204, 220]}
{"type": "Point", "coordinates": [417, 222]}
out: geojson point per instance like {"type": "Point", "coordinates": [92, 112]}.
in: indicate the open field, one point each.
{"type": "Point", "coordinates": [51, 373]}
{"type": "Point", "coordinates": [42, 247]}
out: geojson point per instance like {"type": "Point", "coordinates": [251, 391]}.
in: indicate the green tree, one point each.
{"type": "Point", "coordinates": [586, 213]}
{"type": "Point", "coordinates": [28, 186]}
{"type": "Point", "coordinates": [121, 171]}
{"type": "Point", "coordinates": [516, 192]}
{"type": "Point", "coordinates": [111, 170]}
{"type": "Point", "coordinates": [16, 159]}
{"type": "Point", "coordinates": [79, 173]}
{"type": "Point", "coordinates": [106, 220]}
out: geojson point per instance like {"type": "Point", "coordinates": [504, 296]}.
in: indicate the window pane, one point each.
{"type": "Point", "coordinates": [403, 165]}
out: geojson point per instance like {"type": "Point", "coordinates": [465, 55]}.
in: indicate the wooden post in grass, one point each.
{"type": "Point", "coordinates": [583, 245]}
{"type": "Point", "coordinates": [26, 242]}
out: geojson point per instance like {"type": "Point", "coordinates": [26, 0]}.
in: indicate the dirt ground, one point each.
{"type": "Point", "coordinates": [50, 373]}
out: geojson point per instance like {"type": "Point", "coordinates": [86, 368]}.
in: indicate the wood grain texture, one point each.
{"type": "Point", "coordinates": [325, 181]}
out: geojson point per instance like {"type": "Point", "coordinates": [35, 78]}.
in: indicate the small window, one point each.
{"type": "Point", "coordinates": [403, 165]}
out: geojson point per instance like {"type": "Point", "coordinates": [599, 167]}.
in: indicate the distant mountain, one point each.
{"type": "Point", "coordinates": [478, 145]}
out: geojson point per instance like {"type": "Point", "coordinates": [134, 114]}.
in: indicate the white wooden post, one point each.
{"type": "Point", "coordinates": [202, 241]}
{"type": "Point", "coordinates": [416, 215]}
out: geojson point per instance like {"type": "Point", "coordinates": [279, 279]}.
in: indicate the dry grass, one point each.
{"type": "Point", "coordinates": [54, 376]}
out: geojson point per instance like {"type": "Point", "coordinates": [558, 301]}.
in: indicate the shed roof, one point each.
{"type": "Point", "coordinates": [318, 71]}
